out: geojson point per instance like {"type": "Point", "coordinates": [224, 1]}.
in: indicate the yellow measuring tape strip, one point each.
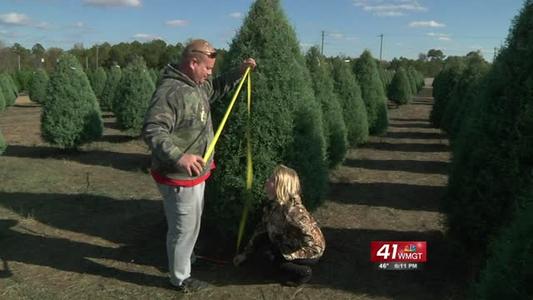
{"type": "Point", "coordinates": [249, 162]}
{"type": "Point", "coordinates": [211, 146]}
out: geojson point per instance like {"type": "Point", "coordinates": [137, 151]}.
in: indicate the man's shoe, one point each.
{"type": "Point", "coordinates": [191, 285]}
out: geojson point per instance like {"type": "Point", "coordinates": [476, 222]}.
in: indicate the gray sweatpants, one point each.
{"type": "Point", "coordinates": [183, 211]}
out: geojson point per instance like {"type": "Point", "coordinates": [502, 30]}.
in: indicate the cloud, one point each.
{"type": "Point", "coordinates": [236, 15]}
{"type": "Point", "coordinates": [389, 8]}
{"type": "Point", "coordinates": [336, 35]}
{"type": "Point", "coordinates": [15, 19]}
{"type": "Point", "coordinates": [144, 37]}
{"type": "Point", "coordinates": [444, 38]}
{"type": "Point", "coordinates": [431, 23]}
{"type": "Point", "coordinates": [177, 23]}
{"type": "Point", "coordinates": [110, 3]}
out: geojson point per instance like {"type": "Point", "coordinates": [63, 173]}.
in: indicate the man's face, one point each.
{"type": "Point", "coordinates": [202, 69]}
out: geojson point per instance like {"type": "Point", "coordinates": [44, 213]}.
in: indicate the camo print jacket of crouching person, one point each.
{"type": "Point", "coordinates": [292, 229]}
{"type": "Point", "coordinates": [178, 121]}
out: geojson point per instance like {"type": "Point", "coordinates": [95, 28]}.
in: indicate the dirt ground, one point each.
{"type": "Point", "coordinates": [89, 225]}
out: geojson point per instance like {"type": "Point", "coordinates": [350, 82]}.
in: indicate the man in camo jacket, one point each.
{"type": "Point", "coordinates": [178, 129]}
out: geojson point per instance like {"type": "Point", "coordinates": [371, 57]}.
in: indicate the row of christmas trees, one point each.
{"type": "Point", "coordinates": [488, 113]}
{"type": "Point", "coordinates": [307, 111]}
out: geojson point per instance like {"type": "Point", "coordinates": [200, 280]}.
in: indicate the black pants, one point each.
{"type": "Point", "coordinates": [296, 271]}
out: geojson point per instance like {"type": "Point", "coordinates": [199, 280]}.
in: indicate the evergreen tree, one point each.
{"type": "Point", "coordinates": [2, 100]}
{"type": "Point", "coordinates": [400, 88]}
{"type": "Point", "coordinates": [135, 90]}
{"type": "Point", "coordinates": [463, 93]}
{"type": "Point", "coordinates": [492, 162]}
{"type": "Point", "coordinates": [38, 85]}
{"type": "Point", "coordinates": [110, 89]}
{"type": "Point", "coordinates": [71, 115]}
{"type": "Point", "coordinates": [334, 125]}
{"type": "Point", "coordinates": [507, 273]}
{"type": "Point", "coordinates": [3, 144]}
{"type": "Point", "coordinates": [412, 77]}
{"type": "Point", "coordinates": [373, 94]}
{"type": "Point", "coordinates": [353, 106]}
{"type": "Point", "coordinates": [443, 86]}
{"type": "Point", "coordinates": [9, 90]}
{"type": "Point", "coordinates": [22, 79]}
{"type": "Point", "coordinates": [98, 80]}
{"type": "Point", "coordinates": [282, 96]}
{"type": "Point", "coordinates": [154, 75]}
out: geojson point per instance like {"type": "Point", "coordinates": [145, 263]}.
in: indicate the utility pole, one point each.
{"type": "Point", "coordinates": [87, 62]}
{"type": "Point", "coordinates": [18, 55]}
{"type": "Point", "coordinates": [97, 56]}
{"type": "Point", "coordinates": [322, 45]}
{"type": "Point", "coordinates": [381, 47]}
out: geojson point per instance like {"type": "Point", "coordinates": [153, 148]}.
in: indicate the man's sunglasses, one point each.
{"type": "Point", "coordinates": [208, 54]}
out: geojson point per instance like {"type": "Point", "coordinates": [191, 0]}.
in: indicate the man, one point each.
{"type": "Point", "coordinates": [178, 129]}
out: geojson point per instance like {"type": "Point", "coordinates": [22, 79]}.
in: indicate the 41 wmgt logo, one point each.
{"type": "Point", "coordinates": [398, 255]}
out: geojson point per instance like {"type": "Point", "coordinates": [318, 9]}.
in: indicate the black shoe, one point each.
{"type": "Point", "coordinates": [191, 285]}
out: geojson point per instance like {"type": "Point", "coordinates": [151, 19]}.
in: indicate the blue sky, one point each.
{"type": "Point", "coordinates": [409, 27]}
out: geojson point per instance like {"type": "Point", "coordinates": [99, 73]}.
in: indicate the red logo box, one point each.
{"type": "Point", "coordinates": [398, 251]}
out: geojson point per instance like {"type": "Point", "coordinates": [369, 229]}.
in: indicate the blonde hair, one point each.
{"type": "Point", "coordinates": [287, 185]}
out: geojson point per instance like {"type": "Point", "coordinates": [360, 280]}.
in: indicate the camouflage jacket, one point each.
{"type": "Point", "coordinates": [178, 119]}
{"type": "Point", "coordinates": [292, 229]}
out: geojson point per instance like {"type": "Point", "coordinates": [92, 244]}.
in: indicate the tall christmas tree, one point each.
{"type": "Point", "coordinates": [286, 124]}
{"type": "Point", "coordinates": [71, 115]}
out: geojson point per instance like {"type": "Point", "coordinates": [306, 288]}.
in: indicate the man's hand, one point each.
{"type": "Point", "coordinates": [249, 62]}
{"type": "Point", "coordinates": [239, 259]}
{"type": "Point", "coordinates": [193, 164]}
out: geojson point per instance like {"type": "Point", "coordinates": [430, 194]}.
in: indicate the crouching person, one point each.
{"type": "Point", "coordinates": [290, 235]}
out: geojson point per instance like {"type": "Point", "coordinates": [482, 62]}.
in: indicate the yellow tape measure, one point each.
{"type": "Point", "coordinates": [249, 162]}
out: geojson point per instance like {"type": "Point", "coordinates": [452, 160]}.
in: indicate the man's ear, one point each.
{"type": "Point", "coordinates": [193, 63]}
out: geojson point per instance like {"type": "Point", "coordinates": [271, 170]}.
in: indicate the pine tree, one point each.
{"type": "Point", "coordinates": [71, 115]}
{"type": "Point", "coordinates": [22, 79]}
{"type": "Point", "coordinates": [110, 89]}
{"type": "Point", "coordinates": [463, 93]}
{"type": "Point", "coordinates": [507, 273]}
{"type": "Point", "coordinates": [353, 106]}
{"type": "Point", "coordinates": [9, 90]}
{"type": "Point", "coordinates": [373, 94]}
{"type": "Point", "coordinates": [400, 88]}
{"type": "Point", "coordinates": [38, 86]}
{"type": "Point", "coordinates": [2, 100]}
{"type": "Point", "coordinates": [135, 90]}
{"type": "Point", "coordinates": [492, 162]}
{"type": "Point", "coordinates": [442, 88]}
{"type": "Point", "coordinates": [98, 80]}
{"type": "Point", "coordinates": [334, 125]}
{"type": "Point", "coordinates": [3, 144]}
{"type": "Point", "coordinates": [286, 119]}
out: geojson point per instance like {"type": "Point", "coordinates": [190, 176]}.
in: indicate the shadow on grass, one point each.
{"type": "Point", "coordinates": [415, 135]}
{"type": "Point", "coordinates": [30, 105]}
{"type": "Point", "coordinates": [139, 227]}
{"type": "Point", "coordinates": [411, 125]}
{"type": "Point", "coordinates": [117, 160]}
{"type": "Point", "coordinates": [346, 266]}
{"type": "Point", "coordinates": [117, 139]}
{"type": "Point", "coordinates": [407, 147]}
{"type": "Point", "coordinates": [409, 119]}
{"type": "Point", "coordinates": [393, 195]}
{"type": "Point", "coordinates": [414, 166]}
